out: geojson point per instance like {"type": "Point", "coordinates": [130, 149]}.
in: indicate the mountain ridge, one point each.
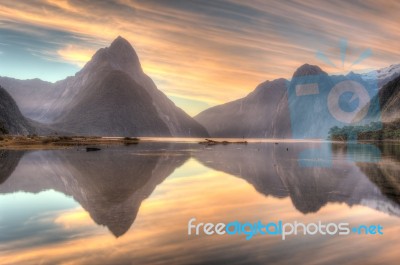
{"type": "Point", "coordinates": [230, 119]}
{"type": "Point", "coordinates": [253, 116]}
{"type": "Point", "coordinates": [60, 99]}
{"type": "Point", "coordinates": [68, 105]}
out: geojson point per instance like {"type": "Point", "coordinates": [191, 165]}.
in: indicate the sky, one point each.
{"type": "Point", "coordinates": [200, 53]}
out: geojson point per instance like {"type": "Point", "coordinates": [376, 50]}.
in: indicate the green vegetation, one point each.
{"type": "Point", "coordinates": [373, 131]}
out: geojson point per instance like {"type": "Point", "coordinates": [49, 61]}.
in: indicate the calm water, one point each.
{"type": "Point", "coordinates": [131, 204]}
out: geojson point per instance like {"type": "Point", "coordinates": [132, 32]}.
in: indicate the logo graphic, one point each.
{"type": "Point", "coordinates": [281, 229]}
{"type": "Point", "coordinates": [358, 92]}
{"type": "Point", "coordinates": [319, 104]}
{"type": "Point", "coordinates": [343, 50]}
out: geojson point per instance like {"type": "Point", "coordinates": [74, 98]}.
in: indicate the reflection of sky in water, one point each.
{"type": "Point", "coordinates": [25, 215]}
{"type": "Point", "coordinates": [50, 227]}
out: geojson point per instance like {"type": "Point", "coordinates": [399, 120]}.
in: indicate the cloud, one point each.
{"type": "Point", "coordinates": [217, 51]}
{"type": "Point", "coordinates": [76, 55]}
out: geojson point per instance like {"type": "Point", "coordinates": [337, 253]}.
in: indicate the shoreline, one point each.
{"type": "Point", "coordinates": [60, 142]}
{"type": "Point", "coordinates": [17, 142]}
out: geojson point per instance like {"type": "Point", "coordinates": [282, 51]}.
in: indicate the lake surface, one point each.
{"type": "Point", "coordinates": [132, 204]}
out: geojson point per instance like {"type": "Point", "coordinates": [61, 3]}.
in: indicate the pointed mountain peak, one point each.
{"type": "Point", "coordinates": [120, 55]}
{"type": "Point", "coordinates": [120, 38]}
{"type": "Point", "coordinates": [122, 47]}
{"type": "Point", "coordinates": [120, 43]}
{"type": "Point", "coordinates": [308, 69]}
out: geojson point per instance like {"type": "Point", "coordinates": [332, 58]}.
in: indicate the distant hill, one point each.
{"type": "Point", "coordinates": [263, 113]}
{"type": "Point", "coordinates": [33, 96]}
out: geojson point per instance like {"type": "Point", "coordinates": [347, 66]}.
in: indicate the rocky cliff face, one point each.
{"type": "Point", "coordinates": [113, 105]}
{"type": "Point", "coordinates": [389, 99]}
{"type": "Point", "coordinates": [11, 119]}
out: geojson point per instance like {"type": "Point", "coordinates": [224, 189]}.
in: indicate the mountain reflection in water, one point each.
{"type": "Point", "coordinates": [110, 185]}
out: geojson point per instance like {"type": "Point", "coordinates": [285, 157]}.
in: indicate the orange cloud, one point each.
{"type": "Point", "coordinates": [76, 218]}
{"type": "Point", "coordinates": [76, 55]}
{"type": "Point", "coordinates": [217, 53]}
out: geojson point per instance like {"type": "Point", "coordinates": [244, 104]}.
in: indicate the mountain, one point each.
{"type": "Point", "coordinates": [389, 102]}
{"type": "Point", "coordinates": [309, 70]}
{"type": "Point", "coordinates": [383, 76]}
{"type": "Point", "coordinates": [283, 109]}
{"type": "Point", "coordinates": [261, 114]}
{"type": "Point", "coordinates": [32, 96]}
{"type": "Point", "coordinates": [86, 103]}
{"type": "Point", "coordinates": [389, 99]}
{"type": "Point", "coordinates": [113, 105]}
{"type": "Point", "coordinates": [388, 112]}
{"type": "Point", "coordinates": [11, 119]}
{"type": "Point", "coordinates": [314, 109]}
{"type": "Point", "coordinates": [265, 112]}
{"type": "Point", "coordinates": [110, 96]}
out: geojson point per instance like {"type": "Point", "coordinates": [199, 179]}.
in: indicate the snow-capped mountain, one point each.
{"type": "Point", "coordinates": [383, 75]}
